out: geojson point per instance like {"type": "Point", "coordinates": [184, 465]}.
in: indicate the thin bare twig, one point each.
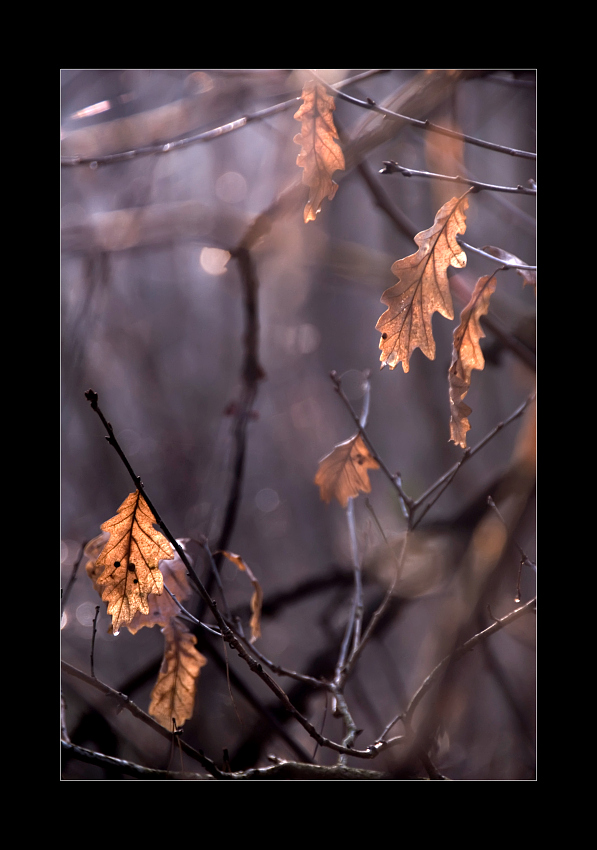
{"type": "Point", "coordinates": [459, 652]}
{"type": "Point", "coordinates": [378, 613]}
{"type": "Point", "coordinates": [504, 263]}
{"type": "Point", "coordinates": [127, 767]}
{"type": "Point", "coordinates": [424, 125]}
{"type": "Point", "coordinates": [446, 479]}
{"type": "Point", "coordinates": [395, 479]}
{"type": "Point", "coordinates": [525, 561]}
{"type": "Point", "coordinates": [124, 702]}
{"type": "Point", "coordinates": [391, 167]}
{"type": "Point", "coordinates": [196, 138]}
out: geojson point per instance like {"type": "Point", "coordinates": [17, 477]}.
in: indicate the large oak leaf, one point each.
{"type": "Point", "coordinates": [423, 288]}
{"type": "Point", "coordinates": [466, 356]}
{"type": "Point", "coordinates": [320, 154]}
{"type": "Point", "coordinates": [130, 559]}
{"type": "Point", "coordinates": [343, 473]}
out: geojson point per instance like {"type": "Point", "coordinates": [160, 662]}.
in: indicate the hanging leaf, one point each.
{"type": "Point", "coordinates": [173, 695]}
{"type": "Point", "coordinates": [343, 473]}
{"type": "Point", "coordinates": [466, 356]}
{"type": "Point", "coordinates": [163, 609]}
{"type": "Point", "coordinates": [130, 559]}
{"type": "Point", "coordinates": [256, 599]}
{"type": "Point", "coordinates": [423, 288]}
{"type": "Point", "coordinates": [320, 154]}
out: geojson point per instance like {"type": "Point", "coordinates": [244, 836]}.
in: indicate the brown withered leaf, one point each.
{"type": "Point", "coordinates": [162, 608]}
{"type": "Point", "coordinates": [343, 473]}
{"type": "Point", "coordinates": [173, 695]}
{"type": "Point", "coordinates": [466, 356]}
{"type": "Point", "coordinates": [257, 597]}
{"type": "Point", "coordinates": [320, 154]}
{"type": "Point", "coordinates": [130, 559]}
{"type": "Point", "coordinates": [423, 288]}
{"type": "Point", "coordinates": [529, 276]}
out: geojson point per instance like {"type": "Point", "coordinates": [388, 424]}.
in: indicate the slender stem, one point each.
{"type": "Point", "coordinates": [187, 614]}
{"type": "Point", "coordinates": [391, 167]}
{"type": "Point", "coordinates": [282, 671]}
{"type": "Point", "coordinates": [393, 478]}
{"type": "Point", "coordinates": [504, 263]}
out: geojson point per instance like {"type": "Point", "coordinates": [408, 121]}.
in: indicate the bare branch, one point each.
{"type": "Point", "coordinates": [430, 680]}
{"type": "Point", "coordinates": [391, 167]}
{"type": "Point", "coordinates": [425, 125]}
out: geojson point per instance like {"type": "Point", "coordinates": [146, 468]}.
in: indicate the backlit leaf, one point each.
{"type": "Point", "coordinates": [130, 559]}
{"type": "Point", "coordinates": [320, 154]}
{"type": "Point", "coordinates": [343, 473]}
{"type": "Point", "coordinates": [466, 356]}
{"type": "Point", "coordinates": [162, 609]}
{"type": "Point", "coordinates": [173, 695]}
{"type": "Point", "coordinates": [423, 288]}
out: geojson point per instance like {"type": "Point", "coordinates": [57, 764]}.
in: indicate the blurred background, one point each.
{"type": "Point", "coordinates": [153, 321]}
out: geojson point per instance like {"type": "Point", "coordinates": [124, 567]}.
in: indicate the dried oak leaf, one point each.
{"type": "Point", "coordinates": [163, 609]}
{"type": "Point", "coordinates": [343, 473]}
{"type": "Point", "coordinates": [320, 154]}
{"type": "Point", "coordinates": [466, 356]}
{"type": "Point", "coordinates": [130, 559]}
{"type": "Point", "coordinates": [173, 695]}
{"type": "Point", "coordinates": [423, 288]}
{"type": "Point", "coordinates": [257, 597]}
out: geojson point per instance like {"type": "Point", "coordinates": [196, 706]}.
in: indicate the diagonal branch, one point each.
{"type": "Point", "coordinates": [446, 479]}
{"type": "Point", "coordinates": [430, 680]}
